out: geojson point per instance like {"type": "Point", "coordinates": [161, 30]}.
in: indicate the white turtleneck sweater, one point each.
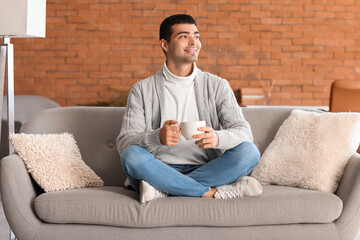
{"type": "Point", "coordinates": [180, 105]}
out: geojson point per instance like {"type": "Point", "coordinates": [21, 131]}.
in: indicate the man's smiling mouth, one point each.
{"type": "Point", "coordinates": [192, 50]}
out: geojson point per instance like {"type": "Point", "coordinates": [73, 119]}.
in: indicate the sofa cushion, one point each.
{"type": "Point", "coordinates": [115, 206]}
{"type": "Point", "coordinates": [54, 161]}
{"type": "Point", "coordinates": [310, 150]}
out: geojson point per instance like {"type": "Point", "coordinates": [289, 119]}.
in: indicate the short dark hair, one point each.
{"type": "Point", "coordinates": [166, 25]}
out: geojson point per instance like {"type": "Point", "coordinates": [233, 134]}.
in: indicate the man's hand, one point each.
{"type": "Point", "coordinates": [209, 139]}
{"type": "Point", "coordinates": [170, 133]}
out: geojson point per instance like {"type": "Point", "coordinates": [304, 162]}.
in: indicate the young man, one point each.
{"type": "Point", "coordinates": [157, 160]}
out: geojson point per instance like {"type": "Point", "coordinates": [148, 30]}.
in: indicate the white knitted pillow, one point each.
{"type": "Point", "coordinates": [54, 161]}
{"type": "Point", "coordinates": [310, 150]}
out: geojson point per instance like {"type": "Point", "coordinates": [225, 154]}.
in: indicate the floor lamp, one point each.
{"type": "Point", "coordinates": [18, 19]}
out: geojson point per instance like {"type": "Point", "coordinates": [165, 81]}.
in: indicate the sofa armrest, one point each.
{"type": "Point", "coordinates": [348, 223]}
{"type": "Point", "coordinates": [18, 192]}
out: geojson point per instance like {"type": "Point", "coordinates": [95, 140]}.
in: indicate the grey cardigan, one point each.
{"type": "Point", "coordinates": [216, 105]}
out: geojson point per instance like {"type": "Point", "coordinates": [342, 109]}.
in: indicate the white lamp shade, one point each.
{"type": "Point", "coordinates": [22, 18]}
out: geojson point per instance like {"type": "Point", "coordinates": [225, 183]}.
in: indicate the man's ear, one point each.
{"type": "Point", "coordinates": [164, 45]}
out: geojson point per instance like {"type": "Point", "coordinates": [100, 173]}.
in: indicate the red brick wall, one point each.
{"type": "Point", "coordinates": [96, 49]}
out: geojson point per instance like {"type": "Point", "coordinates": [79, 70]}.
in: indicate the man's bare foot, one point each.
{"type": "Point", "coordinates": [210, 193]}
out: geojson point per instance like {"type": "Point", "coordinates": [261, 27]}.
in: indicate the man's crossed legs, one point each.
{"type": "Point", "coordinates": [195, 180]}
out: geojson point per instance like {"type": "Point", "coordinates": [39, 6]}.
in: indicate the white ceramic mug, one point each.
{"type": "Point", "coordinates": [189, 129]}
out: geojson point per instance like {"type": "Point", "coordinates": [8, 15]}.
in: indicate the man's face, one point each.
{"type": "Point", "coordinates": [184, 45]}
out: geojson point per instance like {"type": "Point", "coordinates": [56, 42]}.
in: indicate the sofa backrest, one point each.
{"type": "Point", "coordinates": [265, 122]}
{"type": "Point", "coordinates": [96, 128]}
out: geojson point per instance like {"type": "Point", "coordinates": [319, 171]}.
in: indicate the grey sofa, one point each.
{"type": "Point", "coordinates": [112, 212]}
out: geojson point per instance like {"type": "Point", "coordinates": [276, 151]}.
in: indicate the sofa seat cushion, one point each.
{"type": "Point", "coordinates": [116, 206]}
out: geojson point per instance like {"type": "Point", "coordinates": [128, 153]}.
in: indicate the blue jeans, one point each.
{"type": "Point", "coordinates": [189, 180]}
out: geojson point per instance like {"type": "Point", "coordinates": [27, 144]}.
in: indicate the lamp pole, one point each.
{"type": "Point", "coordinates": [7, 50]}
{"type": "Point", "coordinates": [2, 76]}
